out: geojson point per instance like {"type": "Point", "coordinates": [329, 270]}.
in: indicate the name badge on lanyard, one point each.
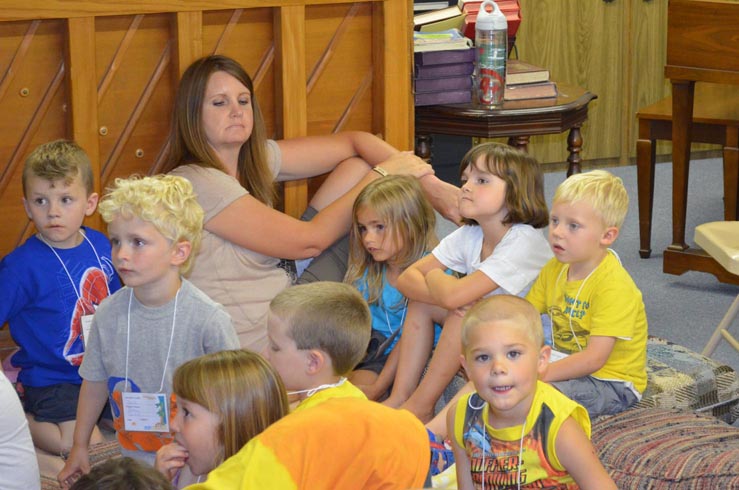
{"type": "Point", "coordinates": [86, 326]}
{"type": "Point", "coordinates": [145, 412]}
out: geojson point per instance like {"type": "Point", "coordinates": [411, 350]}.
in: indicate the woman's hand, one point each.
{"type": "Point", "coordinates": [170, 459]}
{"type": "Point", "coordinates": [406, 163]}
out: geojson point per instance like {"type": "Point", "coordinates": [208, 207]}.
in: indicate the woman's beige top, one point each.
{"type": "Point", "coordinates": [243, 281]}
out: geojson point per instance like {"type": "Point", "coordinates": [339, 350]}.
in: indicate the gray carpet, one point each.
{"type": "Point", "coordinates": [683, 309]}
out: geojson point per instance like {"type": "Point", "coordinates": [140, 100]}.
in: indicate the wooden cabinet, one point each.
{"type": "Point", "coordinates": [614, 49]}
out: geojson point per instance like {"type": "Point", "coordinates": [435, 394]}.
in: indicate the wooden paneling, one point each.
{"type": "Point", "coordinates": [105, 74]}
{"type": "Point", "coordinates": [616, 50]}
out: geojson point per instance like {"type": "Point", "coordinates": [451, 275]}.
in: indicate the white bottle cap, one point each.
{"type": "Point", "coordinates": [493, 20]}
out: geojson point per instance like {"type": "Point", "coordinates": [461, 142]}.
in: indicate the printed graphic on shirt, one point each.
{"type": "Point", "coordinates": [93, 289]}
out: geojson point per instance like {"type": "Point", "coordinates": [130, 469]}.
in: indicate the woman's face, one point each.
{"type": "Point", "coordinates": [228, 117]}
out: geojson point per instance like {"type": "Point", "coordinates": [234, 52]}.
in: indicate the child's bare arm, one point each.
{"type": "Point", "coordinates": [464, 476]}
{"type": "Point", "coordinates": [451, 293]}
{"type": "Point", "coordinates": [412, 281]}
{"type": "Point", "coordinates": [93, 396]}
{"type": "Point", "coordinates": [577, 455]}
{"type": "Point", "coordinates": [583, 363]}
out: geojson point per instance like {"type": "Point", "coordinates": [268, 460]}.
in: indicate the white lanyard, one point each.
{"type": "Point", "coordinates": [171, 337]}
{"type": "Point", "coordinates": [402, 318]}
{"type": "Point", "coordinates": [313, 391]}
{"type": "Point", "coordinates": [74, 286]}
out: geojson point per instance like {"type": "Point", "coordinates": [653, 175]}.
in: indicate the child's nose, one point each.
{"type": "Point", "coordinates": [54, 208]}
{"type": "Point", "coordinates": [499, 367]}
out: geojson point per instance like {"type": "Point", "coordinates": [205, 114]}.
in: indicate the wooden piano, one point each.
{"type": "Point", "coordinates": [702, 46]}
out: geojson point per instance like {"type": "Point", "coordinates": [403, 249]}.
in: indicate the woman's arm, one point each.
{"type": "Point", "coordinates": [577, 455]}
{"type": "Point", "coordinates": [316, 155]}
{"type": "Point", "coordinates": [253, 225]}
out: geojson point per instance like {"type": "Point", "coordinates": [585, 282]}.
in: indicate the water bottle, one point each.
{"type": "Point", "coordinates": [491, 48]}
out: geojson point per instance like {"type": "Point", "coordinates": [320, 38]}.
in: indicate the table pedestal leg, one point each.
{"type": "Point", "coordinates": [574, 146]}
{"type": "Point", "coordinates": [423, 146]}
{"type": "Point", "coordinates": [519, 142]}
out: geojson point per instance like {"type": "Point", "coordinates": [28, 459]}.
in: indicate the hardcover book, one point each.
{"type": "Point", "coordinates": [439, 20]}
{"type": "Point", "coordinates": [440, 41]}
{"type": "Point", "coordinates": [444, 57]}
{"type": "Point", "coordinates": [513, 18]}
{"type": "Point", "coordinates": [518, 72]}
{"type": "Point", "coordinates": [439, 84]}
{"type": "Point", "coordinates": [530, 91]}
{"type": "Point", "coordinates": [446, 97]}
{"type": "Point", "coordinates": [446, 70]}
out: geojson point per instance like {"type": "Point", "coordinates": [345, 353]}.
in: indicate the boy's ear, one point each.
{"type": "Point", "coordinates": [25, 206]}
{"type": "Point", "coordinates": [545, 354]}
{"type": "Point", "coordinates": [180, 252]}
{"type": "Point", "coordinates": [609, 236]}
{"type": "Point", "coordinates": [463, 361]}
{"type": "Point", "coordinates": [92, 203]}
{"type": "Point", "coordinates": [316, 361]}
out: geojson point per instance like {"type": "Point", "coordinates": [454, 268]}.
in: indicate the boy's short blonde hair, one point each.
{"type": "Point", "coordinates": [503, 307]}
{"type": "Point", "coordinates": [602, 190]}
{"type": "Point", "coordinates": [330, 316]}
{"type": "Point", "coordinates": [166, 201]}
{"type": "Point", "coordinates": [59, 160]}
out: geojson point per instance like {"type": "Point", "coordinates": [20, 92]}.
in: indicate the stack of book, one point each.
{"type": "Point", "coordinates": [443, 65]}
{"type": "Point", "coordinates": [510, 8]}
{"type": "Point", "coordinates": [527, 81]}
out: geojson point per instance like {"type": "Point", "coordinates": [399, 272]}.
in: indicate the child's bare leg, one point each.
{"type": "Point", "coordinates": [49, 464]}
{"type": "Point", "coordinates": [362, 379]}
{"type": "Point", "coordinates": [437, 425]}
{"type": "Point", "coordinates": [443, 366]}
{"type": "Point", "coordinates": [56, 438]}
{"type": "Point", "coordinates": [415, 346]}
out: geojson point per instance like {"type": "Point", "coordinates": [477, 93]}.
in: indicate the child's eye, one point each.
{"type": "Point", "coordinates": [114, 242]}
{"type": "Point", "coordinates": [218, 102]}
{"type": "Point", "coordinates": [482, 358]}
{"type": "Point", "coordinates": [362, 228]}
{"type": "Point", "coordinates": [514, 354]}
{"type": "Point", "coordinates": [574, 226]}
{"type": "Point", "coordinates": [138, 242]}
{"type": "Point", "coordinates": [554, 221]}
{"type": "Point", "coordinates": [40, 201]}
{"type": "Point", "coordinates": [67, 199]}
{"type": "Point", "coordinates": [482, 181]}
{"type": "Point", "coordinates": [245, 101]}
{"type": "Point", "coordinates": [185, 412]}
{"type": "Point", "coordinates": [462, 181]}
{"type": "Point", "coordinates": [380, 227]}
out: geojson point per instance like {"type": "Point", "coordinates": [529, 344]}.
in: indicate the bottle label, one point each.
{"type": "Point", "coordinates": [491, 86]}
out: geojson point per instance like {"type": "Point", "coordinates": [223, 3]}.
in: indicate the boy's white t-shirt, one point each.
{"type": "Point", "coordinates": [18, 465]}
{"type": "Point", "coordinates": [514, 264]}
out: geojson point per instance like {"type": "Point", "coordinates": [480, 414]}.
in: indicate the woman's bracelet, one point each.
{"type": "Point", "coordinates": [380, 170]}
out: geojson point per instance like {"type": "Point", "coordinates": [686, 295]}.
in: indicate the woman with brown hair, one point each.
{"type": "Point", "coordinates": [218, 142]}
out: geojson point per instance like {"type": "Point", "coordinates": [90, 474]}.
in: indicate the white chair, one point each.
{"type": "Point", "coordinates": [720, 239]}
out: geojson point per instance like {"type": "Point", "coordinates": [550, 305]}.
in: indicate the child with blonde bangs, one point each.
{"type": "Point", "coordinates": [224, 399]}
{"type": "Point", "coordinates": [499, 250]}
{"type": "Point", "coordinates": [599, 323]}
{"type": "Point", "coordinates": [159, 320]}
{"type": "Point", "coordinates": [393, 227]}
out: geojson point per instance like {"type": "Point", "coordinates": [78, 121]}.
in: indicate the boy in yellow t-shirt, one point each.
{"type": "Point", "coordinates": [599, 325]}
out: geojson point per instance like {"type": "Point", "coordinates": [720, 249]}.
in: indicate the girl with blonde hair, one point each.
{"type": "Point", "coordinates": [393, 226]}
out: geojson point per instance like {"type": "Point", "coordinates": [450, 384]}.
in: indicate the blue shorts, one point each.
{"type": "Point", "coordinates": [54, 403]}
{"type": "Point", "coordinates": [599, 397]}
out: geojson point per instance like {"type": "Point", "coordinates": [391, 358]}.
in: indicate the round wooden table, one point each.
{"type": "Point", "coordinates": [517, 120]}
